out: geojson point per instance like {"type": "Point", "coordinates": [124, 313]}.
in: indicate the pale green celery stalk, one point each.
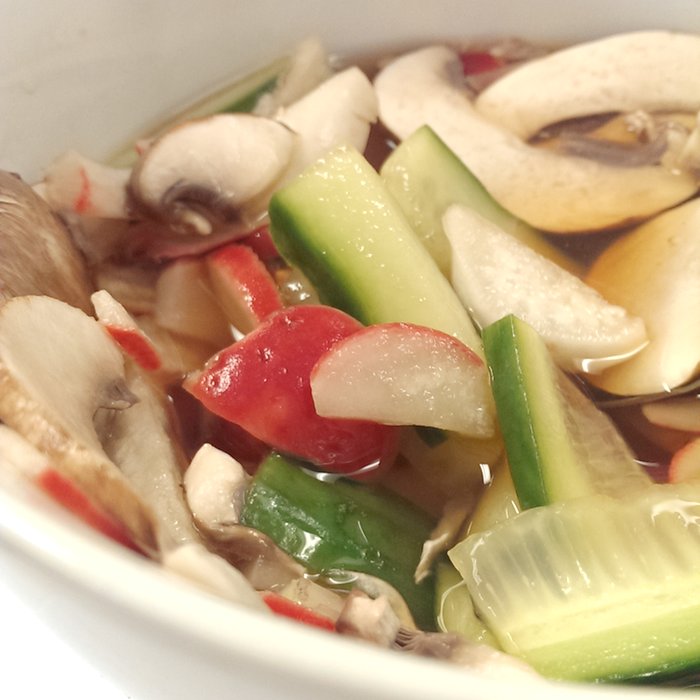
{"type": "Point", "coordinates": [597, 588]}
{"type": "Point", "coordinates": [454, 610]}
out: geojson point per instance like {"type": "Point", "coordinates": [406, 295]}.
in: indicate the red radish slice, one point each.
{"type": "Point", "coordinates": [242, 285]}
{"type": "Point", "coordinates": [123, 329]}
{"type": "Point", "coordinates": [685, 464]}
{"type": "Point", "coordinates": [679, 414]}
{"type": "Point", "coordinates": [262, 384]}
{"type": "Point", "coordinates": [405, 374]}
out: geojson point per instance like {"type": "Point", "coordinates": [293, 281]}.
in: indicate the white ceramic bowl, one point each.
{"type": "Point", "coordinates": [89, 76]}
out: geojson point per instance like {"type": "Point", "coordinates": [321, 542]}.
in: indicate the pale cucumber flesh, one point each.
{"type": "Point", "coordinates": [559, 445]}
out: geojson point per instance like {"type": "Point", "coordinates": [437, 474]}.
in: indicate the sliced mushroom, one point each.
{"type": "Point", "coordinates": [480, 658]}
{"type": "Point", "coordinates": [371, 619]}
{"type": "Point", "coordinates": [215, 485]}
{"type": "Point", "coordinates": [262, 562]}
{"type": "Point", "coordinates": [206, 170]}
{"type": "Point", "coordinates": [37, 255]}
{"type": "Point", "coordinates": [57, 368]}
{"type": "Point", "coordinates": [141, 443]}
{"type": "Point", "coordinates": [212, 573]}
{"type": "Point", "coordinates": [550, 191]}
{"type": "Point", "coordinates": [650, 70]}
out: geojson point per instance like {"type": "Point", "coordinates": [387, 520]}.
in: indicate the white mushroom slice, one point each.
{"type": "Point", "coordinates": [208, 169]}
{"type": "Point", "coordinates": [19, 455]}
{"type": "Point", "coordinates": [373, 620]}
{"type": "Point", "coordinates": [650, 70]}
{"type": "Point", "coordinates": [140, 442]}
{"type": "Point", "coordinates": [212, 573]}
{"type": "Point", "coordinates": [304, 591]}
{"type": "Point", "coordinates": [550, 191]}
{"type": "Point", "coordinates": [57, 368]}
{"type": "Point", "coordinates": [339, 111]}
{"type": "Point", "coordinates": [446, 534]}
{"type": "Point", "coordinates": [75, 183]}
{"type": "Point", "coordinates": [262, 562]}
{"type": "Point", "coordinates": [215, 485]}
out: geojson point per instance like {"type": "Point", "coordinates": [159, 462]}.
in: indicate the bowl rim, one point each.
{"type": "Point", "coordinates": [33, 524]}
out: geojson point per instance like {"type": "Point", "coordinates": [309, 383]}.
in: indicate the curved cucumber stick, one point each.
{"type": "Point", "coordinates": [342, 525]}
{"type": "Point", "coordinates": [559, 445]}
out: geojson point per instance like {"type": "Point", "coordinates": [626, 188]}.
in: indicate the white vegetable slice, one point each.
{"type": "Point", "coordinates": [650, 70]}
{"type": "Point", "coordinates": [550, 191]}
{"type": "Point", "coordinates": [654, 272]}
{"type": "Point", "coordinates": [404, 374]}
{"type": "Point", "coordinates": [339, 111]}
{"type": "Point", "coordinates": [494, 275]}
{"type": "Point", "coordinates": [215, 486]}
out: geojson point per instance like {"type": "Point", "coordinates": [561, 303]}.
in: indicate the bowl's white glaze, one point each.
{"type": "Point", "coordinates": [89, 75]}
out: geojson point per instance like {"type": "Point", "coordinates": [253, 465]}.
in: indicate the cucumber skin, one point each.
{"type": "Point", "coordinates": [511, 400]}
{"type": "Point", "coordinates": [342, 525]}
{"type": "Point", "coordinates": [543, 463]}
{"type": "Point", "coordinates": [339, 225]}
{"type": "Point", "coordinates": [425, 177]}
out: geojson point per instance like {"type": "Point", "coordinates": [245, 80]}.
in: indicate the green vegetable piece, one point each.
{"type": "Point", "coordinates": [594, 589]}
{"type": "Point", "coordinates": [339, 225]}
{"type": "Point", "coordinates": [342, 525]}
{"type": "Point", "coordinates": [454, 609]}
{"type": "Point", "coordinates": [426, 177]}
{"type": "Point", "coordinates": [559, 445]}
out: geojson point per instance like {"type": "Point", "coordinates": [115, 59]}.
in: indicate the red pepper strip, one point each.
{"type": "Point", "coordinates": [133, 343]}
{"type": "Point", "coordinates": [71, 497]}
{"type": "Point", "coordinates": [288, 608]}
{"type": "Point", "coordinates": [479, 62]}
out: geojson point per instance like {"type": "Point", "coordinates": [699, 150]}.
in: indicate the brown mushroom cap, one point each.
{"type": "Point", "coordinates": [37, 255]}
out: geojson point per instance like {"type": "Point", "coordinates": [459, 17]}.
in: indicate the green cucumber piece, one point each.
{"type": "Point", "coordinates": [595, 589]}
{"type": "Point", "coordinates": [342, 525]}
{"type": "Point", "coordinates": [559, 445]}
{"type": "Point", "coordinates": [339, 225]}
{"type": "Point", "coordinates": [426, 177]}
